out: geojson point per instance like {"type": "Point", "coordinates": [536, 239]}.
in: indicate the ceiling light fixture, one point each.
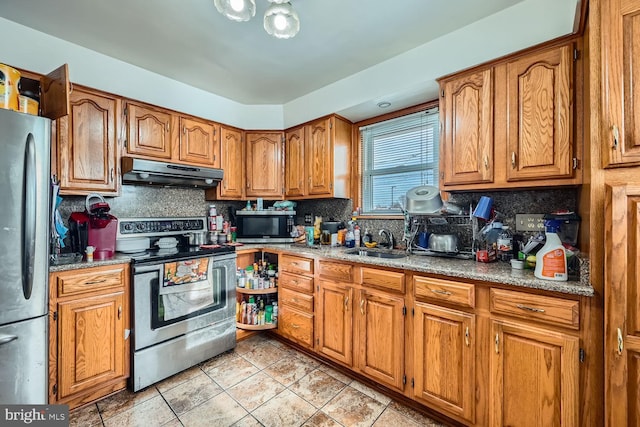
{"type": "Point", "coordinates": [280, 20]}
{"type": "Point", "coordinates": [384, 104]}
{"type": "Point", "coordinates": [236, 10]}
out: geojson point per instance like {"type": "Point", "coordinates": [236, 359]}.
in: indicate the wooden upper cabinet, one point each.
{"type": "Point", "coordinates": [540, 115]}
{"type": "Point", "coordinates": [620, 20]}
{"type": "Point", "coordinates": [622, 304]}
{"type": "Point", "coordinates": [232, 163]}
{"type": "Point", "coordinates": [294, 163]}
{"type": "Point", "coordinates": [467, 140]}
{"type": "Point", "coordinates": [87, 144]}
{"type": "Point", "coordinates": [534, 377]}
{"type": "Point", "coordinates": [199, 142]}
{"type": "Point", "coordinates": [54, 93]}
{"type": "Point", "coordinates": [264, 167]}
{"type": "Point", "coordinates": [318, 158]}
{"type": "Point", "coordinates": [148, 131]}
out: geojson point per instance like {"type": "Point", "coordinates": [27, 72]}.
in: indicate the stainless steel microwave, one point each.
{"type": "Point", "coordinates": [266, 226]}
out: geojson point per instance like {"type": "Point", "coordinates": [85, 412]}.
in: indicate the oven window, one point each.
{"type": "Point", "coordinates": [187, 289]}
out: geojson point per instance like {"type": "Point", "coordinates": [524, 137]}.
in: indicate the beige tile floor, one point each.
{"type": "Point", "coordinates": [261, 383]}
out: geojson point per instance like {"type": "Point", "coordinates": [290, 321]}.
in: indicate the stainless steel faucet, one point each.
{"type": "Point", "coordinates": [390, 243]}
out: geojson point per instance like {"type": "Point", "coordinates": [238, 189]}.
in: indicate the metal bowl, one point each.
{"type": "Point", "coordinates": [424, 199]}
{"type": "Point", "coordinates": [443, 243]}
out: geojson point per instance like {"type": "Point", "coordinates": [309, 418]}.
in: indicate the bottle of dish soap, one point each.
{"type": "Point", "coordinates": [551, 260]}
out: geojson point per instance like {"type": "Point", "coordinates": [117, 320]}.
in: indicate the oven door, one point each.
{"type": "Point", "coordinates": [171, 299]}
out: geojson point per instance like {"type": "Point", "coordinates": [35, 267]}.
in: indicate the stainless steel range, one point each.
{"type": "Point", "coordinates": [183, 299]}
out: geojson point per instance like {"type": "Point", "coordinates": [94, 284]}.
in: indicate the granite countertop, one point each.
{"type": "Point", "coordinates": [496, 272]}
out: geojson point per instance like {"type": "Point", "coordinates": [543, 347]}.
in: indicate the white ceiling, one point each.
{"type": "Point", "coordinates": [189, 41]}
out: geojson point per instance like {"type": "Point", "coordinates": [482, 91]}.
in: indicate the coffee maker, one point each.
{"type": "Point", "coordinates": [94, 227]}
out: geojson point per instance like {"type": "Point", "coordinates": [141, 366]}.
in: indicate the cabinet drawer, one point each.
{"type": "Point", "coordinates": [296, 264]}
{"type": "Point", "coordinates": [385, 279]}
{"type": "Point", "coordinates": [295, 299]}
{"type": "Point", "coordinates": [295, 282]}
{"type": "Point", "coordinates": [444, 290]}
{"type": "Point", "coordinates": [88, 280]}
{"type": "Point", "coordinates": [336, 271]}
{"type": "Point", "coordinates": [555, 311]}
{"type": "Point", "coordinates": [296, 325]}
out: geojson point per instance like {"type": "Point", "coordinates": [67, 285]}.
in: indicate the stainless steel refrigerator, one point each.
{"type": "Point", "coordinates": [24, 264]}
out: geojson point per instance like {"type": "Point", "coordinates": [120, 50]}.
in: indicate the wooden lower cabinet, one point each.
{"type": "Point", "coordinates": [444, 346]}
{"type": "Point", "coordinates": [534, 376]}
{"type": "Point", "coordinates": [335, 321]}
{"type": "Point", "coordinates": [88, 334]}
{"type": "Point", "coordinates": [380, 337]}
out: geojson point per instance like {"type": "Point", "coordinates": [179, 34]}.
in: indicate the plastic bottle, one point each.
{"type": "Point", "coordinates": [356, 236]}
{"type": "Point", "coordinates": [350, 238]}
{"type": "Point", "coordinates": [551, 260]}
{"type": "Point", "coordinates": [274, 315]}
{"type": "Point", "coordinates": [248, 207]}
{"type": "Point", "coordinates": [505, 245]}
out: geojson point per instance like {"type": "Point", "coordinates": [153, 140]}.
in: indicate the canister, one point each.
{"type": "Point", "coordinates": [28, 103]}
{"type": "Point", "coordinates": [9, 80]}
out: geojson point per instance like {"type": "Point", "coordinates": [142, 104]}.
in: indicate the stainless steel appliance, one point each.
{"type": "Point", "coordinates": [183, 299]}
{"type": "Point", "coordinates": [265, 226]}
{"type": "Point", "coordinates": [141, 171]}
{"type": "Point", "coordinates": [24, 243]}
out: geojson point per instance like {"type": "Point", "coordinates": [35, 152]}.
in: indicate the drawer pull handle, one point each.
{"type": "Point", "coordinates": [513, 160]}
{"type": "Point", "coordinates": [533, 309]}
{"type": "Point", "coordinates": [294, 299]}
{"type": "Point", "coordinates": [466, 336]}
{"type": "Point", "coordinates": [362, 307]}
{"type": "Point", "coordinates": [620, 342]}
{"type": "Point", "coordinates": [346, 303]}
{"type": "Point", "coordinates": [497, 343]}
{"type": "Point", "coordinates": [295, 326]}
{"type": "Point", "coordinates": [440, 291]}
{"type": "Point", "coordinates": [486, 162]}
{"type": "Point", "coordinates": [95, 282]}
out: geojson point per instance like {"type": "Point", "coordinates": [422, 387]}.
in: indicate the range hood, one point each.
{"type": "Point", "coordinates": [141, 171]}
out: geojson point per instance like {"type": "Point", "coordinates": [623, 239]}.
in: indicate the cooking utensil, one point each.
{"type": "Point", "coordinates": [424, 199]}
{"type": "Point", "coordinates": [197, 238]}
{"type": "Point", "coordinates": [443, 243]}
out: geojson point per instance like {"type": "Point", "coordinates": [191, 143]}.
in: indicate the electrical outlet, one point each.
{"type": "Point", "coordinates": [308, 219]}
{"type": "Point", "coordinates": [529, 222]}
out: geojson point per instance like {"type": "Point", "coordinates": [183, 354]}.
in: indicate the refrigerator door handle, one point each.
{"type": "Point", "coordinates": [29, 216]}
{"type": "Point", "coordinates": [7, 338]}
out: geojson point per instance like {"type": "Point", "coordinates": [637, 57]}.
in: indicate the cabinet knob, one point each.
{"type": "Point", "coordinates": [497, 343]}
{"type": "Point", "coordinates": [346, 303]}
{"type": "Point", "coordinates": [466, 336]}
{"type": "Point", "coordinates": [616, 136]}
{"type": "Point", "coordinates": [111, 175]}
{"type": "Point", "coordinates": [486, 162]}
{"type": "Point", "coordinates": [119, 312]}
{"type": "Point", "coordinates": [362, 307]}
{"type": "Point", "coordinates": [513, 159]}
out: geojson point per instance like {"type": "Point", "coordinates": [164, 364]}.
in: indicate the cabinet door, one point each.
{"type": "Point", "coordinates": [380, 337]}
{"type": "Point", "coordinates": [90, 342]}
{"type": "Point", "coordinates": [622, 305]}
{"type": "Point", "coordinates": [534, 377]}
{"type": "Point", "coordinates": [444, 354]}
{"type": "Point", "coordinates": [467, 114]}
{"type": "Point", "coordinates": [87, 144]}
{"type": "Point", "coordinates": [295, 325]}
{"type": "Point", "coordinates": [335, 333]}
{"type": "Point", "coordinates": [621, 82]}
{"type": "Point", "coordinates": [149, 131]}
{"type": "Point", "coordinates": [540, 115]}
{"type": "Point", "coordinates": [199, 142]}
{"type": "Point", "coordinates": [294, 166]}
{"type": "Point", "coordinates": [264, 164]}
{"type": "Point", "coordinates": [319, 158]}
{"type": "Point", "coordinates": [232, 163]}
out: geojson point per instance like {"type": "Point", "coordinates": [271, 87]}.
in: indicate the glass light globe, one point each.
{"type": "Point", "coordinates": [236, 10]}
{"type": "Point", "coordinates": [281, 21]}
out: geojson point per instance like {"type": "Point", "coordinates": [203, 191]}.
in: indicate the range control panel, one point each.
{"type": "Point", "coordinates": [159, 226]}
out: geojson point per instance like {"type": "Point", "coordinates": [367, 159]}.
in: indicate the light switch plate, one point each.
{"type": "Point", "coordinates": [529, 222]}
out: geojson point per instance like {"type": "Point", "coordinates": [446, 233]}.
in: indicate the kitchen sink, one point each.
{"type": "Point", "coordinates": [376, 253]}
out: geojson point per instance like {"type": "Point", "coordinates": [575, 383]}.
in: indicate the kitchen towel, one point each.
{"type": "Point", "coordinates": [187, 287]}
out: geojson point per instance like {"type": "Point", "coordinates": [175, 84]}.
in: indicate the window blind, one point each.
{"type": "Point", "coordinates": [397, 155]}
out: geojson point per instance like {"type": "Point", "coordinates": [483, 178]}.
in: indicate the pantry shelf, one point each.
{"type": "Point", "coordinates": [257, 291]}
{"type": "Point", "coordinates": [256, 327]}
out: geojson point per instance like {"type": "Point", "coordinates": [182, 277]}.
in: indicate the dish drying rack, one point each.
{"type": "Point", "coordinates": [464, 226]}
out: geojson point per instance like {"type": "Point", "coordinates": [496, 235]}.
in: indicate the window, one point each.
{"type": "Point", "coordinates": [397, 155]}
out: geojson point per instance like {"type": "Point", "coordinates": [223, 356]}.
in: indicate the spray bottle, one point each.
{"type": "Point", "coordinates": [551, 260]}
